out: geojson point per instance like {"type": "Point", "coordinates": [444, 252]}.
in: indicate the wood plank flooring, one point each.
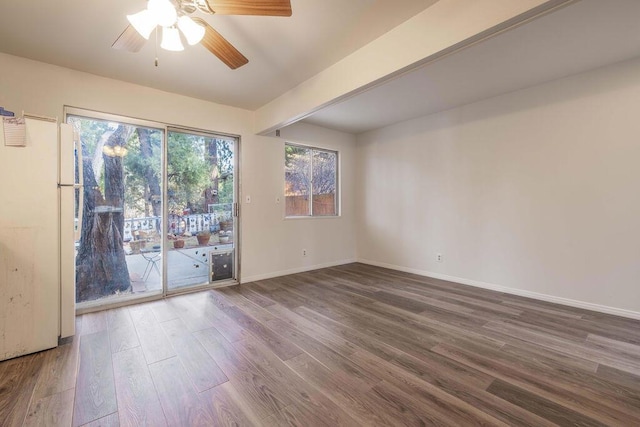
{"type": "Point", "coordinates": [344, 346]}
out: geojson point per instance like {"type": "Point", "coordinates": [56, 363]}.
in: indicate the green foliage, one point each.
{"type": "Point", "coordinates": [190, 170]}
{"type": "Point", "coordinates": [293, 153]}
{"type": "Point", "coordinates": [297, 167]}
{"type": "Point", "coordinates": [136, 166]}
{"type": "Point", "coordinates": [91, 130]}
{"type": "Point", "coordinates": [225, 166]}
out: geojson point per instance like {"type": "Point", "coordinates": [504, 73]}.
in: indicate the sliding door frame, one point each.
{"type": "Point", "coordinates": [235, 212]}
{"type": "Point", "coordinates": [91, 306]}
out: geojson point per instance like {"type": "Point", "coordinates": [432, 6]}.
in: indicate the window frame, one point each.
{"type": "Point", "coordinates": [337, 203]}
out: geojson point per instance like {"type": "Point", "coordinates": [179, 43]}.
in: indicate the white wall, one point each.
{"type": "Point", "coordinates": [277, 246]}
{"type": "Point", "coordinates": [269, 244]}
{"type": "Point", "coordinates": [444, 26]}
{"type": "Point", "coordinates": [536, 191]}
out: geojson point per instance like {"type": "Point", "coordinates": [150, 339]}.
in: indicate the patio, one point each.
{"type": "Point", "coordinates": [186, 267]}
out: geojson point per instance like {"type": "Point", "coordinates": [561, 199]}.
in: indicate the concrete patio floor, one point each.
{"type": "Point", "coordinates": [185, 267]}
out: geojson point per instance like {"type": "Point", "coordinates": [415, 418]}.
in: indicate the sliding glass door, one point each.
{"type": "Point", "coordinates": [200, 209]}
{"type": "Point", "coordinates": [118, 209]}
{"type": "Point", "coordinates": [155, 209]}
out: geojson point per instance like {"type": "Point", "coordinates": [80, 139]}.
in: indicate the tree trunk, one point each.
{"type": "Point", "coordinates": [211, 193]}
{"type": "Point", "coordinates": [101, 265]}
{"type": "Point", "coordinates": [152, 178]}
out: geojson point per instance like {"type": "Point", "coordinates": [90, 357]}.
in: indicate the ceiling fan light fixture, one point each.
{"type": "Point", "coordinates": [171, 39]}
{"type": "Point", "coordinates": [192, 31]}
{"type": "Point", "coordinates": [144, 23]}
{"type": "Point", "coordinates": [163, 11]}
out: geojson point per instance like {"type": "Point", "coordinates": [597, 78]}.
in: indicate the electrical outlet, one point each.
{"type": "Point", "coordinates": [439, 257]}
{"type": "Point", "coordinates": [304, 252]}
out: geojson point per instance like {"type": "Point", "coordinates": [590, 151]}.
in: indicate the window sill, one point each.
{"type": "Point", "coordinates": [296, 218]}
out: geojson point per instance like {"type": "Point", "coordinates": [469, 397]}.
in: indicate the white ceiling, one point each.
{"type": "Point", "coordinates": [585, 35]}
{"type": "Point", "coordinates": [282, 52]}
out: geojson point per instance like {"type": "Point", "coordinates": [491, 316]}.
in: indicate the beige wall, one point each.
{"type": "Point", "coordinates": [278, 243]}
{"type": "Point", "coordinates": [536, 192]}
{"type": "Point", "coordinates": [270, 245]}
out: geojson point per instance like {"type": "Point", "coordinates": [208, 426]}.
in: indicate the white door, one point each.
{"type": "Point", "coordinates": [29, 269]}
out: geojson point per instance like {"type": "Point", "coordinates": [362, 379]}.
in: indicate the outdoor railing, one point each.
{"type": "Point", "coordinates": [179, 224]}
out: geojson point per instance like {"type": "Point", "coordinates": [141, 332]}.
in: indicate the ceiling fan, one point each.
{"type": "Point", "coordinates": [173, 17]}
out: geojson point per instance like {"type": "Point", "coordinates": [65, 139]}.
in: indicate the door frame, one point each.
{"type": "Point", "coordinates": [235, 212]}
{"type": "Point", "coordinates": [92, 306]}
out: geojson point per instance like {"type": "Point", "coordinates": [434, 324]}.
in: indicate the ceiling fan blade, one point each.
{"type": "Point", "coordinates": [130, 40]}
{"type": "Point", "coordinates": [251, 7]}
{"type": "Point", "coordinates": [221, 47]}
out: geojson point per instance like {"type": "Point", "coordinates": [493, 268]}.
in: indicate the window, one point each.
{"type": "Point", "coordinates": [310, 171]}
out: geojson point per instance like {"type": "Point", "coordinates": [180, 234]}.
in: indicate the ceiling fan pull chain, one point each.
{"type": "Point", "coordinates": [156, 46]}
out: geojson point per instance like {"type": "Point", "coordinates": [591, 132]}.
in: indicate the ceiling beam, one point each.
{"type": "Point", "coordinates": [441, 29]}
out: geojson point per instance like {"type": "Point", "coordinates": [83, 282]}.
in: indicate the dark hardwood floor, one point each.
{"type": "Point", "coordinates": [344, 346]}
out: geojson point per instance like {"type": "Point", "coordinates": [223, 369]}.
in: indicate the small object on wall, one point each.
{"type": "Point", "coordinates": [6, 113]}
{"type": "Point", "coordinates": [14, 132]}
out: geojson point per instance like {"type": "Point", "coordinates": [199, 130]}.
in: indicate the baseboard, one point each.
{"type": "Point", "coordinates": [513, 291]}
{"type": "Point", "coordinates": [295, 270]}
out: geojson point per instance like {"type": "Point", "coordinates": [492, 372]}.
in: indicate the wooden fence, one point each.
{"type": "Point", "coordinates": [323, 205]}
